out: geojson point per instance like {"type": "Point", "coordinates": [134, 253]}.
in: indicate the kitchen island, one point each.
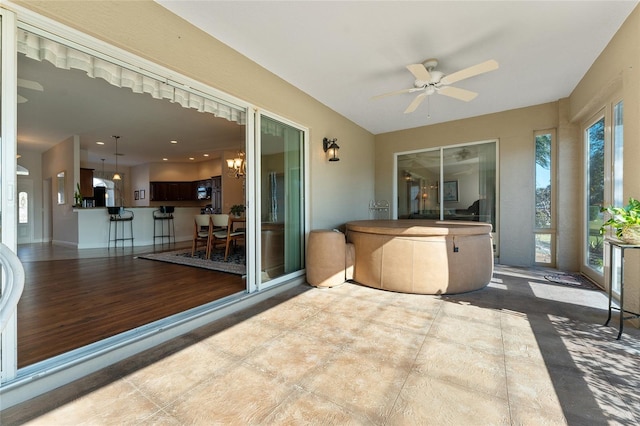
{"type": "Point", "coordinates": [93, 227]}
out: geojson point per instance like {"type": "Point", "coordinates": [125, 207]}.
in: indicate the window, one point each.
{"type": "Point", "coordinates": [544, 198]}
{"type": "Point", "coordinates": [595, 172]}
{"type": "Point", "coordinates": [23, 207]}
{"type": "Point", "coordinates": [618, 198]}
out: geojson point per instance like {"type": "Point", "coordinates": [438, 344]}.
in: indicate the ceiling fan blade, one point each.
{"type": "Point", "coordinates": [419, 72]}
{"type": "Point", "coordinates": [22, 99]}
{"type": "Point", "coordinates": [30, 84]}
{"type": "Point", "coordinates": [455, 92]}
{"type": "Point", "coordinates": [487, 66]}
{"type": "Point", "coordinates": [397, 92]}
{"type": "Point", "coordinates": [416, 102]}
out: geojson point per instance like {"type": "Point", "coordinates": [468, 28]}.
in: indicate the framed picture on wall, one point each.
{"type": "Point", "coordinates": [142, 194]}
{"type": "Point", "coordinates": [136, 195]}
{"type": "Point", "coordinates": [450, 189]}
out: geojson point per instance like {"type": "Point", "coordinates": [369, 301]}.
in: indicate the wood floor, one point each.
{"type": "Point", "coordinates": [76, 297]}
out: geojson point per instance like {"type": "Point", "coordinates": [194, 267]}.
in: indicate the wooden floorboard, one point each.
{"type": "Point", "coordinates": [70, 303]}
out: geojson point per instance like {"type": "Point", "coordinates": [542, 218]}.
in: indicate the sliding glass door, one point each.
{"type": "Point", "coordinates": [8, 208]}
{"type": "Point", "coordinates": [280, 201]}
{"type": "Point", "coordinates": [453, 183]}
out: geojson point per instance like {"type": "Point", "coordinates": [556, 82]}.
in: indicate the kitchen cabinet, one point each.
{"type": "Point", "coordinates": [86, 183]}
{"type": "Point", "coordinates": [172, 191]}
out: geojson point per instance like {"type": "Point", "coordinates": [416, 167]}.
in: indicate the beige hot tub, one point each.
{"type": "Point", "coordinates": [422, 256]}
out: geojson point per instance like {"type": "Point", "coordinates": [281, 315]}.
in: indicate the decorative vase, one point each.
{"type": "Point", "coordinates": [631, 234]}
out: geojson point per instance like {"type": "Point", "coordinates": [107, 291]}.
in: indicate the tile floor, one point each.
{"type": "Point", "coordinates": [523, 351]}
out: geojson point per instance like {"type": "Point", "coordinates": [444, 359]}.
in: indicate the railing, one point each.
{"type": "Point", "coordinates": [14, 284]}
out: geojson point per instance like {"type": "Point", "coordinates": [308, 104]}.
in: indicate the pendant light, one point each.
{"type": "Point", "coordinates": [116, 175]}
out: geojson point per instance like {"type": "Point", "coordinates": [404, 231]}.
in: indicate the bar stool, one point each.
{"type": "Point", "coordinates": [118, 216]}
{"type": "Point", "coordinates": [161, 216]}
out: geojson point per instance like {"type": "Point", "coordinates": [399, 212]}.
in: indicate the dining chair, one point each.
{"type": "Point", "coordinates": [218, 225]}
{"type": "Point", "coordinates": [226, 236]}
{"type": "Point", "coordinates": [201, 233]}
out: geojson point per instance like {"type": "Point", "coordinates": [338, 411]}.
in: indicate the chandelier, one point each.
{"type": "Point", "coordinates": [237, 167]}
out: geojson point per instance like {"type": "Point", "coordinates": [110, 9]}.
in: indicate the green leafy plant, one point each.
{"type": "Point", "coordinates": [237, 209]}
{"type": "Point", "coordinates": [78, 195]}
{"type": "Point", "coordinates": [622, 218]}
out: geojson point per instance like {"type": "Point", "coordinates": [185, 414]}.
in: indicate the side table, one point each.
{"type": "Point", "coordinates": [622, 246]}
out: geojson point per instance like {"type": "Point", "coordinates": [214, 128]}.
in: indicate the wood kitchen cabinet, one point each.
{"type": "Point", "coordinates": [86, 182]}
{"type": "Point", "coordinates": [172, 191]}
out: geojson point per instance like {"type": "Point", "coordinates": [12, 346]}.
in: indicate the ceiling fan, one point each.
{"type": "Point", "coordinates": [429, 81]}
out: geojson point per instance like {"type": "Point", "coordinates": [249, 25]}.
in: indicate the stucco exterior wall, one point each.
{"type": "Point", "coordinates": [617, 69]}
{"type": "Point", "coordinates": [339, 191]}
{"type": "Point", "coordinates": [514, 131]}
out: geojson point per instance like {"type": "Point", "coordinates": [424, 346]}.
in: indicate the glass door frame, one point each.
{"type": "Point", "coordinates": [589, 271]}
{"type": "Point", "coordinates": [8, 147]}
{"type": "Point", "coordinates": [254, 214]}
{"type": "Point", "coordinates": [441, 149]}
{"type": "Point", "coordinates": [33, 22]}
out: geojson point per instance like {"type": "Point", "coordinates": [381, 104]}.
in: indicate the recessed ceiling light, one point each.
{"type": "Point", "coordinates": [165, 159]}
{"type": "Point", "coordinates": [206, 155]}
{"type": "Point", "coordinates": [174, 141]}
{"type": "Point", "coordinates": [99, 143]}
{"type": "Point", "coordinates": [191, 158]}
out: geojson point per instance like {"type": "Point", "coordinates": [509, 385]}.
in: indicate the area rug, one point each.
{"type": "Point", "coordinates": [235, 264]}
{"type": "Point", "coordinates": [572, 280]}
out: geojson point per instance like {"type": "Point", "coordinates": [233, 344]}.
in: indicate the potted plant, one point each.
{"type": "Point", "coordinates": [237, 210]}
{"type": "Point", "coordinates": [78, 196]}
{"type": "Point", "coordinates": [625, 220]}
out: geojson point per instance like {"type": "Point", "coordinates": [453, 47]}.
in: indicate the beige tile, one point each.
{"type": "Point", "coordinates": [428, 401]}
{"type": "Point", "coordinates": [306, 408]}
{"type": "Point", "coordinates": [412, 319]}
{"type": "Point", "coordinates": [466, 311]}
{"type": "Point", "coordinates": [286, 315]}
{"type": "Point", "coordinates": [118, 403]}
{"type": "Point", "coordinates": [463, 365]}
{"type": "Point", "coordinates": [292, 357]}
{"type": "Point", "coordinates": [241, 396]}
{"type": "Point", "coordinates": [359, 308]}
{"type": "Point", "coordinates": [529, 416]}
{"type": "Point", "coordinates": [336, 330]}
{"type": "Point", "coordinates": [487, 338]}
{"type": "Point", "coordinates": [357, 355]}
{"type": "Point", "coordinates": [161, 418]}
{"type": "Point", "coordinates": [362, 384]}
{"type": "Point", "coordinates": [179, 372]}
{"type": "Point", "coordinates": [391, 345]}
{"type": "Point", "coordinates": [530, 385]}
{"type": "Point", "coordinates": [242, 338]}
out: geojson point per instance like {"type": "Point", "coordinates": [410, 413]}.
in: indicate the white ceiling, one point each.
{"type": "Point", "coordinates": [343, 53]}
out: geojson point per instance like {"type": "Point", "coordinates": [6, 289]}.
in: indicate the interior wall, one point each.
{"type": "Point", "coordinates": [339, 191]}
{"type": "Point", "coordinates": [516, 156]}
{"type": "Point", "coordinates": [208, 169]}
{"type": "Point", "coordinates": [140, 182]}
{"type": "Point", "coordinates": [61, 158]}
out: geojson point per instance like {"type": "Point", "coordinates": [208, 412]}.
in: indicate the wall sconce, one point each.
{"type": "Point", "coordinates": [331, 148]}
